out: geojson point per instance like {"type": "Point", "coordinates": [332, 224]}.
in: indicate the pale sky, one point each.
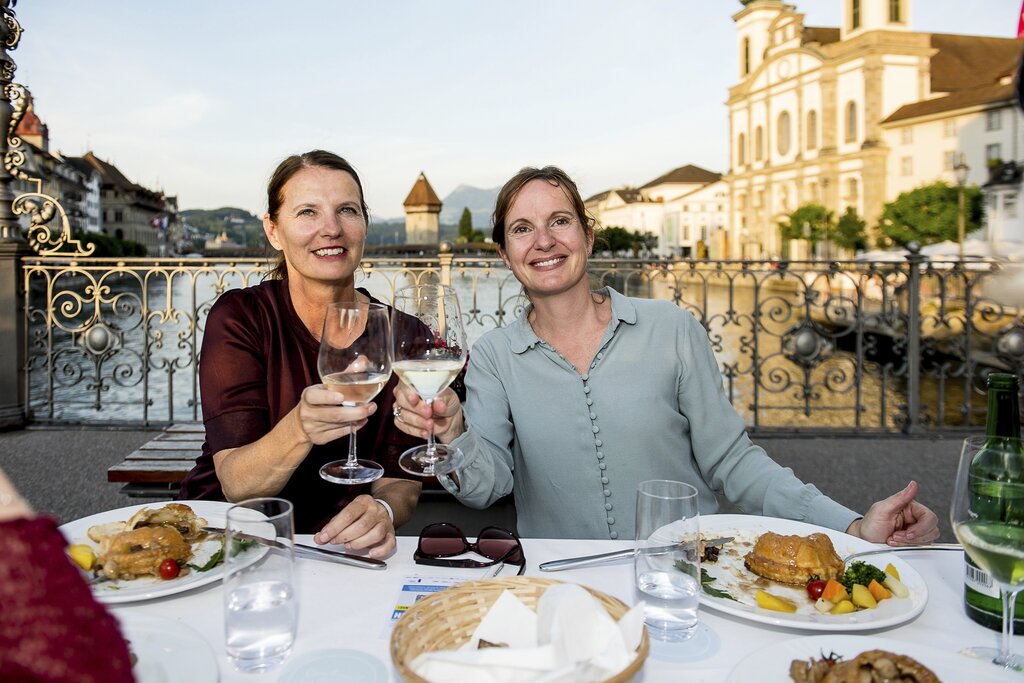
{"type": "Point", "coordinates": [202, 98]}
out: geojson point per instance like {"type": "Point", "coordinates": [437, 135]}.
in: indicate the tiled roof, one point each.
{"type": "Point", "coordinates": [109, 174]}
{"type": "Point", "coordinates": [422, 194]}
{"type": "Point", "coordinates": [686, 174]}
{"type": "Point", "coordinates": [597, 197]}
{"type": "Point", "coordinates": [960, 99]}
{"type": "Point", "coordinates": [629, 196]}
{"type": "Point", "coordinates": [965, 62]}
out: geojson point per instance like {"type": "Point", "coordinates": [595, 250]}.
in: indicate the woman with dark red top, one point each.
{"type": "Point", "coordinates": [52, 629]}
{"type": "Point", "coordinates": [270, 423]}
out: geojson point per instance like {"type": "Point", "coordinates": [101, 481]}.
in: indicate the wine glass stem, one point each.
{"type": "Point", "coordinates": [1005, 657]}
{"type": "Point", "coordinates": [431, 446]}
{"type": "Point", "coordinates": [352, 460]}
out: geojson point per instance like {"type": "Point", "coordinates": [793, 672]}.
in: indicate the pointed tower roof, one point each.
{"type": "Point", "coordinates": [422, 194]}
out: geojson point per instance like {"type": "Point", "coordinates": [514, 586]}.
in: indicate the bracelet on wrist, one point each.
{"type": "Point", "coordinates": [387, 507]}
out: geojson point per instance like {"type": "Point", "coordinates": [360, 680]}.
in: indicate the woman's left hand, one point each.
{"type": "Point", "coordinates": [363, 523]}
{"type": "Point", "coordinates": [898, 520]}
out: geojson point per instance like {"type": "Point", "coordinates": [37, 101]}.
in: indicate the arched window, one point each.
{"type": "Point", "coordinates": [851, 121]}
{"type": "Point", "coordinates": [741, 149]}
{"type": "Point", "coordinates": [854, 15]}
{"type": "Point", "coordinates": [812, 129]}
{"type": "Point", "coordinates": [783, 133]}
{"type": "Point", "coordinates": [758, 143]}
{"type": "Point", "coordinates": [746, 56]}
{"type": "Point", "coordinates": [896, 11]}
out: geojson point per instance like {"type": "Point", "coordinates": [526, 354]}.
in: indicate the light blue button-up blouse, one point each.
{"type": "Point", "coordinates": [572, 447]}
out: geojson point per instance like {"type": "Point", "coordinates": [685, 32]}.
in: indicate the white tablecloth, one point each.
{"type": "Point", "coordinates": [347, 607]}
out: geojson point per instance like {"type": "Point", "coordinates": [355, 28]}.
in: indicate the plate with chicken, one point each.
{"type": "Point", "coordinates": [148, 551]}
{"type": "Point", "coordinates": [792, 574]}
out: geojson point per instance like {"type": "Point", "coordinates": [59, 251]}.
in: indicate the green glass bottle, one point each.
{"type": "Point", "coordinates": [988, 469]}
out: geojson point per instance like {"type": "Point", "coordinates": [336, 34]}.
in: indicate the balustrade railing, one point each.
{"type": "Point", "coordinates": [802, 345]}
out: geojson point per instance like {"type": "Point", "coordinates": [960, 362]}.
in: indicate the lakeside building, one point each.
{"type": "Point", "coordinates": [685, 208]}
{"type": "Point", "coordinates": [855, 115]}
{"type": "Point", "coordinates": [422, 213]}
{"type": "Point", "coordinates": [131, 211]}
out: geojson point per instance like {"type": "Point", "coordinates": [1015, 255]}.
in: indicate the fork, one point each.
{"type": "Point", "coordinates": [902, 549]}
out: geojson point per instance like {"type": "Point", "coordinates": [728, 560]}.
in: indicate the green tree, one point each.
{"type": "Point", "coordinates": [850, 231]}
{"type": "Point", "coordinates": [613, 239]}
{"type": "Point", "coordinates": [928, 214]}
{"type": "Point", "coordinates": [466, 231]}
{"type": "Point", "coordinates": [809, 222]}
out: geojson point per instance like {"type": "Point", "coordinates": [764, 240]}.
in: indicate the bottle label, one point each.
{"type": "Point", "coordinates": [977, 578]}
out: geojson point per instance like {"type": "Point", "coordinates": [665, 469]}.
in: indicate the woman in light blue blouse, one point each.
{"type": "Point", "coordinates": [590, 392]}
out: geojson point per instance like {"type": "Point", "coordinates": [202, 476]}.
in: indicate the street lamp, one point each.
{"type": "Point", "coordinates": [960, 169]}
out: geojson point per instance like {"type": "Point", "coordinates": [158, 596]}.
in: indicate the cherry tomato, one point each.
{"type": "Point", "coordinates": [814, 589]}
{"type": "Point", "coordinates": [169, 569]}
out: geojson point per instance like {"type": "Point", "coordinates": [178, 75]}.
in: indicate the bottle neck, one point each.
{"type": "Point", "coordinates": [1003, 414]}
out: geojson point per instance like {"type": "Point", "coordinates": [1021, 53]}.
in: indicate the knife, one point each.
{"type": "Point", "coordinates": [587, 560]}
{"type": "Point", "coordinates": [308, 550]}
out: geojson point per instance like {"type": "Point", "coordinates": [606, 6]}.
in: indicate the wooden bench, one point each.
{"type": "Point", "coordinates": [156, 469]}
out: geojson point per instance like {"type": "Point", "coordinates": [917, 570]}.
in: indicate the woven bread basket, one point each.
{"type": "Point", "coordinates": [446, 620]}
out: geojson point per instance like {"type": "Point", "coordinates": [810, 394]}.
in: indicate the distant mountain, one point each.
{"type": "Point", "coordinates": [479, 201]}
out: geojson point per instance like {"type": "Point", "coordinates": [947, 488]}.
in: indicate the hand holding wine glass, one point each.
{"type": "Point", "coordinates": [987, 515]}
{"type": "Point", "coordinates": [355, 361]}
{"type": "Point", "coordinates": [429, 351]}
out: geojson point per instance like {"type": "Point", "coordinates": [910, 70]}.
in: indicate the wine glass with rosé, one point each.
{"type": "Point", "coordinates": [355, 360]}
{"type": "Point", "coordinates": [987, 515]}
{"type": "Point", "coordinates": [429, 352]}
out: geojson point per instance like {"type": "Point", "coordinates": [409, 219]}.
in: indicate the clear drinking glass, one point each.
{"type": "Point", "coordinates": [260, 605]}
{"type": "Point", "coordinates": [429, 351]}
{"type": "Point", "coordinates": [355, 359]}
{"type": "Point", "coordinates": [987, 515]}
{"type": "Point", "coordinates": [667, 559]}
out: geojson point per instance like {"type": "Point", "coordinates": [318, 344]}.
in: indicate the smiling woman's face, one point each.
{"type": "Point", "coordinates": [546, 246]}
{"type": "Point", "coordinates": [320, 228]}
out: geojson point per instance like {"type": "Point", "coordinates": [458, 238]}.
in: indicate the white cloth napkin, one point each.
{"type": "Point", "coordinates": [570, 638]}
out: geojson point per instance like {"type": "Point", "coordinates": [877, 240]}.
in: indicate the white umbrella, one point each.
{"type": "Point", "coordinates": [882, 255]}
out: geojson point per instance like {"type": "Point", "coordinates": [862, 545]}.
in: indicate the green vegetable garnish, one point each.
{"type": "Point", "coordinates": [705, 584]}
{"type": "Point", "coordinates": [862, 573]}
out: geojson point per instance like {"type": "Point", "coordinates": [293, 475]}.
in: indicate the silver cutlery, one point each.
{"type": "Point", "coordinates": [902, 549]}
{"type": "Point", "coordinates": [588, 560]}
{"type": "Point", "coordinates": [310, 551]}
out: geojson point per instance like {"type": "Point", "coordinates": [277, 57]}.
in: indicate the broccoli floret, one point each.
{"type": "Point", "coordinates": [862, 573]}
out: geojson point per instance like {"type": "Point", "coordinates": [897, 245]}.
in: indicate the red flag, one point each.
{"type": "Point", "coordinates": [154, 222]}
{"type": "Point", "coordinates": [1020, 22]}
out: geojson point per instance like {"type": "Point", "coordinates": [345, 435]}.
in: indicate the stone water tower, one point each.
{"type": "Point", "coordinates": [422, 213]}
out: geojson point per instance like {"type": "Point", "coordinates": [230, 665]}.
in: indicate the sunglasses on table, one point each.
{"type": "Point", "coordinates": [442, 541]}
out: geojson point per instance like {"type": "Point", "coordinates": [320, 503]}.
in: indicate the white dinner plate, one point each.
{"type": "Point", "coordinates": [771, 663]}
{"type": "Point", "coordinates": [735, 579]}
{"type": "Point", "coordinates": [167, 651]}
{"type": "Point", "coordinates": [147, 587]}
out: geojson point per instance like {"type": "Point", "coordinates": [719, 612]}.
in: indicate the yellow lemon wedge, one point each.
{"type": "Point", "coordinates": [82, 555]}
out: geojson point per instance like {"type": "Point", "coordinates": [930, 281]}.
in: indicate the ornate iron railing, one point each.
{"type": "Point", "coordinates": [807, 345]}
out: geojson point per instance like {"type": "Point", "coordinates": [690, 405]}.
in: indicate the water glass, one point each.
{"type": "Point", "coordinates": [667, 558]}
{"type": "Point", "coordinates": [260, 605]}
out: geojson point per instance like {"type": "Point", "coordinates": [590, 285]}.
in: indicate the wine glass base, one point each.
{"type": "Point", "coordinates": [363, 472]}
{"type": "Point", "coordinates": [991, 654]}
{"type": "Point", "coordinates": [446, 459]}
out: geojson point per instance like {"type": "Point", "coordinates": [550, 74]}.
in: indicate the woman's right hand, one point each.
{"type": "Point", "coordinates": [414, 417]}
{"type": "Point", "coordinates": [323, 419]}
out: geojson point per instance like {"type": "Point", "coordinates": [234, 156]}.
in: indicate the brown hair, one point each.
{"type": "Point", "coordinates": [510, 190]}
{"type": "Point", "coordinates": [316, 158]}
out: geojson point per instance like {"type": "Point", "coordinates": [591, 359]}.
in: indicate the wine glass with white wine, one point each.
{"type": "Point", "coordinates": [355, 360]}
{"type": "Point", "coordinates": [429, 351]}
{"type": "Point", "coordinates": [987, 515]}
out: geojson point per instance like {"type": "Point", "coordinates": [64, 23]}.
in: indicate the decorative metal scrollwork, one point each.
{"type": "Point", "coordinates": [1009, 346]}
{"type": "Point", "coordinates": [806, 346]}
{"type": "Point", "coordinates": [42, 208]}
{"type": "Point", "coordinates": [14, 157]}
